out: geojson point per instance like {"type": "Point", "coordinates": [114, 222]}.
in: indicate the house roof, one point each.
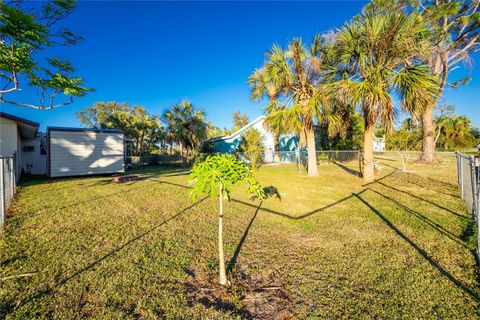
{"type": "Point", "coordinates": [27, 128]}
{"type": "Point", "coordinates": [84, 129]}
{"type": "Point", "coordinates": [239, 131]}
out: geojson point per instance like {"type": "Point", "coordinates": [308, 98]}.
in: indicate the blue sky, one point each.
{"type": "Point", "coordinates": [155, 54]}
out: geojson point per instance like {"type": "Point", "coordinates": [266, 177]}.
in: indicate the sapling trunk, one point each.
{"type": "Point", "coordinates": [221, 256]}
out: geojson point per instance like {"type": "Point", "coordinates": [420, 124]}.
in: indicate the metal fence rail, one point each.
{"type": "Point", "coordinates": [7, 184]}
{"type": "Point", "coordinates": [468, 173]}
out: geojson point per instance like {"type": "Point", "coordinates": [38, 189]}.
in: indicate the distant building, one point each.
{"type": "Point", "coordinates": [287, 143]}
{"type": "Point", "coordinates": [379, 144]}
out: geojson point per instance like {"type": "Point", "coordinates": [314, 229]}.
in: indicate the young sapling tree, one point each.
{"type": "Point", "coordinates": [252, 146]}
{"type": "Point", "coordinates": [217, 176]}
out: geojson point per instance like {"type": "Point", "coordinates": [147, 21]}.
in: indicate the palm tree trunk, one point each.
{"type": "Point", "coordinates": [312, 170]}
{"type": "Point", "coordinates": [428, 150]}
{"type": "Point", "coordinates": [184, 161]}
{"type": "Point", "coordinates": [221, 256]}
{"type": "Point", "coordinates": [368, 165]}
{"type": "Point", "coordinates": [276, 157]}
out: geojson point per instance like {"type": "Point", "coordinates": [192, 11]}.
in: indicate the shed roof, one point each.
{"type": "Point", "coordinates": [70, 129]}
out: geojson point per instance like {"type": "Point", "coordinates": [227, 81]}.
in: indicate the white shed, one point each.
{"type": "Point", "coordinates": [79, 152]}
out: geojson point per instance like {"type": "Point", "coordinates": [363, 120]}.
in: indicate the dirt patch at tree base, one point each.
{"type": "Point", "coordinates": [248, 296]}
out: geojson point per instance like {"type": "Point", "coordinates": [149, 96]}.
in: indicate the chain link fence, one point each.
{"type": "Point", "coordinates": [468, 173]}
{"type": "Point", "coordinates": [7, 184]}
{"type": "Point", "coordinates": [155, 159]}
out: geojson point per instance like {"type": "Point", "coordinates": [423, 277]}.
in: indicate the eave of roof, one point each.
{"type": "Point", "coordinates": [18, 119]}
{"type": "Point", "coordinates": [238, 132]}
{"type": "Point", "coordinates": [70, 129]}
{"type": "Point", "coordinates": [28, 129]}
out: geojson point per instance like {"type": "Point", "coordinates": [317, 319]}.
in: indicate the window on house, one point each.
{"type": "Point", "coordinates": [43, 151]}
{"type": "Point", "coordinates": [28, 148]}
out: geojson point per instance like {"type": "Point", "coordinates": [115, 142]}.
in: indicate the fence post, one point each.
{"type": "Point", "coordinates": [476, 201]}
{"type": "Point", "coordinates": [15, 176]}
{"type": "Point", "coordinates": [457, 157]}
{"type": "Point", "coordinates": [12, 175]}
{"type": "Point", "coordinates": [2, 193]}
{"type": "Point", "coordinates": [461, 176]}
{"type": "Point", "coordinates": [474, 187]}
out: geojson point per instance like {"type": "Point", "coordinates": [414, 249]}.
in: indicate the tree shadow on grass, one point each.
{"type": "Point", "coordinates": [425, 219]}
{"type": "Point", "coordinates": [351, 171]}
{"type": "Point", "coordinates": [433, 181]}
{"type": "Point", "coordinates": [8, 306]}
{"type": "Point", "coordinates": [282, 214]}
{"type": "Point", "coordinates": [474, 295]}
{"type": "Point", "coordinates": [233, 261]}
{"type": "Point", "coordinates": [422, 199]}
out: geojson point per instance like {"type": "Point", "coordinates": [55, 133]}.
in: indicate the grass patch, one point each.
{"type": "Point", "coordinates": [327, 247]}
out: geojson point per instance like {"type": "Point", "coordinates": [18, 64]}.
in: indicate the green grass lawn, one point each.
{"type": "Point", "coordinates": [329, 248]}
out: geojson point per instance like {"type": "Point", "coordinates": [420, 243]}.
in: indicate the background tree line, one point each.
{"type": "Point", "coordinates": [395, 50]}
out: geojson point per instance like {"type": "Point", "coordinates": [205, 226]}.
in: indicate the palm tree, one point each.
{"type": "Point", "coordinates": [380, 55]}
{"type": "Point", "coordinates": [261, 85]}
{"type": "Point", "coordinates": [186, 126]}
{"type": "Point", "coordinates": [293, 80]}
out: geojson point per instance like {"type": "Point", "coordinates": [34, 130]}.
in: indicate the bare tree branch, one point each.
{"type": "Point", "coordinates": [15, 87]}
{"type": "Point", "coordinates": [452, 60]}
{"type": "Point", "coordinates": [38, 107]}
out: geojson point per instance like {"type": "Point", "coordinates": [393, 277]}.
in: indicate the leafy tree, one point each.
{"type": "Point", "coordinates": [446, 111]}
{"type": "Point", "coordinates": [137, 124]}
{"type": "Point", "coordinates": [214, 131]}
{"type": "Point", "coordinates": [377, 58]}
{"type": "Point", "coordinates": [408, 136]}
{"type": "Point", "coordinates": [456, 132]}
{"type": "Point", "coordinates": [187, 126]}
{"type": "Point", "coordinates": [239, 120]}
{"type": "Point", "coordinates": [24, 33]}
{"type": "Point", "coordinates": [297, 75]}
{"type": "Point", "coordinates": [454, 28]}
{"type": "Point", "coordinates": [252, 146]}
{"type": "Point", "coordinates": [217, 176]}
{"type": "Point", "coordinates": [350, 137]}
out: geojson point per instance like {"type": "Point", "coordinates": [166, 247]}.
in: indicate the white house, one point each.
{"type": "Point", "coordinates": [230, 143]}
{"type": "Point", "coordinates": [379, 144]}
{"type": "Point", "coordinates": [63, 151]}
{"type": "Point", "coordinates": [21, 137]}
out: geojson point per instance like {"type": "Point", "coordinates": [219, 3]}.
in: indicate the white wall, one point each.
{"type": "Point", "coordinates": [268, 141]}
{"type": "Point", "coordinates": [10, 141]}
{"type": "Point", "coordinates": [8, 137]}
{"type": "Point", "coordinates": [33, 162]}
{"type": "Point", "coordinates": [75, 153]}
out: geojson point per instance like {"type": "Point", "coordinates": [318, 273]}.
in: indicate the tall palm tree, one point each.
{"type": "Point", "coordinates": [263, 85]}
{"type": "Point", "coordinates": [294, 78]}
{"type": "Point", "coordinates": [186, 126]}
{"type": "Point", "coordinates": [379, 56]}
